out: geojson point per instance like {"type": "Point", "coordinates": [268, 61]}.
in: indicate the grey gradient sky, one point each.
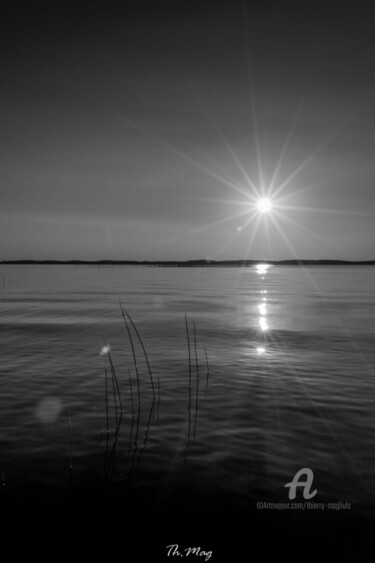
{"type": "Point", "coordinates": [146, 131]}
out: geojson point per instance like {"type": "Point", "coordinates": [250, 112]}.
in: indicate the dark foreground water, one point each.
{"type": "Point", "coordinates": [281, 373]}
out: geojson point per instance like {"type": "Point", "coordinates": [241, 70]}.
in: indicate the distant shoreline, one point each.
{"type": "Point", "coordinates": [188, 263]}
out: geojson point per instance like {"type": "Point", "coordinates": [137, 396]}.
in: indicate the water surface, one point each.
{"type": "Point", "coordinates": [281, 373]}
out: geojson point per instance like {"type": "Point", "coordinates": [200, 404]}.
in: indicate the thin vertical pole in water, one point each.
{"type": "Point", "coordinates": [106, 400]}
{"type": "Point", "coordinates": [117, 388]}
{"type": "Point", "coordinates": [188, 340]}
{"type": "Point", "coordinates": [115, 383]}
{"type": "Point", "coordinates": [133, 413]}
{"type": "Point", "coordinates": [107, 420]}
{"type": "Point", "coordinates": [189, 404]}
{"type": "Point", "coordinates": [130, 437]}
{"type": "Point", "coordinates": [208, 370]}
{"type": "Point", "coordinates": [197, 388]}
{"type": "Point", "coordinates": [70, 451]}
{"type": "Point", "coordinates": [114, 392]}
{"type": "Point", "coordinates": [157, 408]}
{"type": "Point", "coordinates": [146, 438]}
{"type": "Point", "coordinates": [135, 450]}
{"type": "Point", "coordinates": [112, 459]}
{"type": "Point", "coordinates": [99, 420]}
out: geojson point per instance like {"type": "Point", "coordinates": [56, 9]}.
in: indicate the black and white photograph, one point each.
{"type": "Point", "coordinates": [187, 280]}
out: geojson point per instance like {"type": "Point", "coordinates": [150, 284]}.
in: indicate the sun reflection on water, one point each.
{"type": "Point", "coordinates": [262, 270]}
{"type": "Point", "coordinates": [263, 323]}
{"type": "Point", "coordinates": [262, 309]}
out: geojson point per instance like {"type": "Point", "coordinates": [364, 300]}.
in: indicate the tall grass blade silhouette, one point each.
{"type": "Point", "coordinates": [135, 449]}
{"type": "Point", "coordinates": [115, 385]}
{"type": "Point", "coordinates": [134, 356]}
{"type": "Point", "coordinates": [124, 312]}
{"type": "Point", "coordinates": [131, 392]}
{"type": "Point", "coordinates": [107, 422]}
{"type": "Point", "coordinates": [112, 456]}
{"type": "Point", "coordinates": [189, 403]}
{"type": "Point", "coordinates": [146, 438]}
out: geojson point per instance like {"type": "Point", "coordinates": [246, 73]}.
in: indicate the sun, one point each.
{"type": "Point", "coordinates": [264, 205]}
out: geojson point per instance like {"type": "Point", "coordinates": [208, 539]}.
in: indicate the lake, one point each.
{"type": "Point", "coordinates": [240, 378]}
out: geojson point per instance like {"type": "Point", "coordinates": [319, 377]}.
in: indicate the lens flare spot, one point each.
{"type": "Point", "coordinates": [48, 410]}
{"type": "Point", "coordinates": [105, 350]}
{"type": "Point", "coordinates": [261, 351]}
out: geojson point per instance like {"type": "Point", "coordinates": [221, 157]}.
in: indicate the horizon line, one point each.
{"type": "Point", "coordinates": [192, 262]}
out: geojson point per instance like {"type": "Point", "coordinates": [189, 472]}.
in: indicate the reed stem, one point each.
{"type": "Point", "coordinates": [189, 403]}
{"type": "Point", "coordinates": [106, 401]}
{"type": "Point", "coordinates": [134, 356]}
{"type": "Point", "coordinates": [124, 311]}
{"type": "Point", "coordinates": [131, 392]}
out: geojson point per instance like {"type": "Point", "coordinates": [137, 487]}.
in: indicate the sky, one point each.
{"type": "Point", "coordinates": [149, 131]}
